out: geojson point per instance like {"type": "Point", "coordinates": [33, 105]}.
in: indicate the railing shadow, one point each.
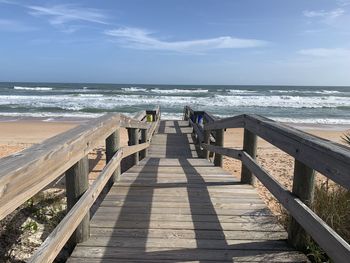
{"type": "Point", "coordinates": [128, 212]}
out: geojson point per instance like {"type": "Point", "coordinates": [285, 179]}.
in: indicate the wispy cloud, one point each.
{"type": "Point", "coordinates": [331, 14]}
{"type": "Point", "coordinates": [61, 14]}
{"type": "Point", "coordinates": [143, 39]}
{"type": "Point", "coordinates": [325, 52]}
{"type": "Point", "coordinates": [14, 26]}
{"type": "Point", "coordinates": [68, 18]}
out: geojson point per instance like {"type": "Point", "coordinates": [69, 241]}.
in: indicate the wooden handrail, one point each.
{"type": "Point", "coordinates": [53, 244]}
{"type": "Point", "coordinates": [24, 174]}
{"type": "Point", "coordinates": [330, 159]}
{"type": "Point", "coordinates": [302, 146]}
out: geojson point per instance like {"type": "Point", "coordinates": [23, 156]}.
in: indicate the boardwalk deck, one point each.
{"type": "Point", "coordinates": [175, 207]}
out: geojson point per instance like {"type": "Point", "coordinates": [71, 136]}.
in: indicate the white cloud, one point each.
{"type": "Point", "coordinates": [331, 14]}
{"type": "Point", "coordinates": [62, 14]}
{"type": "Point", "coordinates": [142, 39]}
{"type": "Point", "coordinates": [325, 52]}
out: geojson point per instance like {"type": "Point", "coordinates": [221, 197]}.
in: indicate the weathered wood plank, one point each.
{"type": "Point", "coordinates": [187, 234]}
{"type": "Point", "coordinates": [126, 242]}
{"type": "Point", "coordinates": [77, 182]}
{"type": "Point", "coordinates": [303, 188]}
{"type": "Point", "coordinates": [219, 142]}
{"type": "Point", "coordinates": [117, 203]}
{"type": "Point", "coordinates": [127, 122]}
{"type": "Point", "coordinates": [189, 254]}
{"type": "Point", "coordinates": [194, 199]}
{"type": "Point", "coordinates": [186, 211]}
{"type": "Point", "coordinates": [112, 146]}
{"type": "Point", "coordinates": [175, 169]}
{"type": "Point", "coordinates": [255, 219]}
{"type": "Point", "coordinates": [233, 153]}
{"type": "Point", "coordinates": [249, 146]}
{"type": "Point", "coordinates": [164, 162]}
{"type": "Point", "coordinates": [190, 225]}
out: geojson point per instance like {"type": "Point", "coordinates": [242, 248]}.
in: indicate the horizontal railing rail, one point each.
{"type": "Point", "coordinates": [60, 235]}
{"type": "Point", "coordinates": [24, 174]}
{"type": "Point", "coordinates": [310, 153]}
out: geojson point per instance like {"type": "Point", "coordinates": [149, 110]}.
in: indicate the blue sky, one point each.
{"type": "Point", "coordinates": [176, 42]}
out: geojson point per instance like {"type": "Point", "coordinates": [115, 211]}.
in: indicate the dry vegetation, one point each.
{"type": "Point", "coordinates": [27, 227]}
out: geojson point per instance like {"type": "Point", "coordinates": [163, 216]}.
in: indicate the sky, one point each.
{"type": "Point", "coordinates": [241, 42]}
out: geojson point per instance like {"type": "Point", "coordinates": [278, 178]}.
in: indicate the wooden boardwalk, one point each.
{"type": "Point", "coordinates": [176, 207]}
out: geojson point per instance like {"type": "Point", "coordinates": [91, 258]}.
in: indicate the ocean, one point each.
{"type": "Point", "coordinates": [292, 104]}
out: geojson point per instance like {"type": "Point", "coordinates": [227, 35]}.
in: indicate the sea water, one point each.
{"type": "Point", "coordinates": [293, 104]}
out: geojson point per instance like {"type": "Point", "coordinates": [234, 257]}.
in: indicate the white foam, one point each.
{"type": "Point", "coordinates": [179, 91]}
{"type": "Point", "coordinates": [241, 91]}
{"type": "Point", "coordinates": [281, 101]}
{"type": "Point", "coordinates": [91, 95]}
{"type": "Point", "coordinates": [99, 101]}
{"type": "Point", "coordinates": [31, 88]}
{"type": "Point", "coordinates": [51, 115]}
{"type": "Point", "coordinates": [134, 89]}
{"type": "Point", "coordinates": [325, 92]}
{"type": "Point", "coordinates": [312, 120]}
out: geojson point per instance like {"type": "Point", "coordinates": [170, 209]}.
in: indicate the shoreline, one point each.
{"type": "Point", "coordinates": [78, 120]}
{"type": "Point", "coordinates": [16, 135]}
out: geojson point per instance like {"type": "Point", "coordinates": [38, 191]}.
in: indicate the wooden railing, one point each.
{"type": "Point", "coordinates": [24, 174]}
{"type": "Point", "coordinates": [311, 154]}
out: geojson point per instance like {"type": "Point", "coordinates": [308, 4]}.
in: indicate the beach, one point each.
{"type": "Point", "coordinates": [16, 135]}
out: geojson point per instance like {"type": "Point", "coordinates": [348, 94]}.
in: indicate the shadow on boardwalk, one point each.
{"type": "Point", "coordinates": [171, 208]}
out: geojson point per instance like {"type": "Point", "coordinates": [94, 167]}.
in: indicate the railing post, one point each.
{"type": "Point", "coordinates": [144, 138]}
{"type": "Point", "coordinates": [249, 146]}
{"type": "Point", "coordinates": [133, 140]}
{"type": "Point", "coordinates": [77, 182]}
{"type": "Point", "coordinates": [112, 146]}
{"type": "Point", "coordinates": [303, 188]}
{"type": "Point", "coordinates": [219, 141]}
{"type": "Point", "coordinates": [206, 141]}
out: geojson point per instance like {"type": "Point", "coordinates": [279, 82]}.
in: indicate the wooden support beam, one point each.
{"type": "Point", "coordinates": [143, 139]}
{"type": "Point", "coordinates": [77, 182]}
{"type": "Point", "coordinates": [112, 146]}
{"type": "Point", "coordinates": [134, 140]}
{"type": "Point", "coordinates": [303, 188]}
{"type": "Point", "coordinates": [219, 141]}
{"type": "Point", "coordinates": [249, 146]}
